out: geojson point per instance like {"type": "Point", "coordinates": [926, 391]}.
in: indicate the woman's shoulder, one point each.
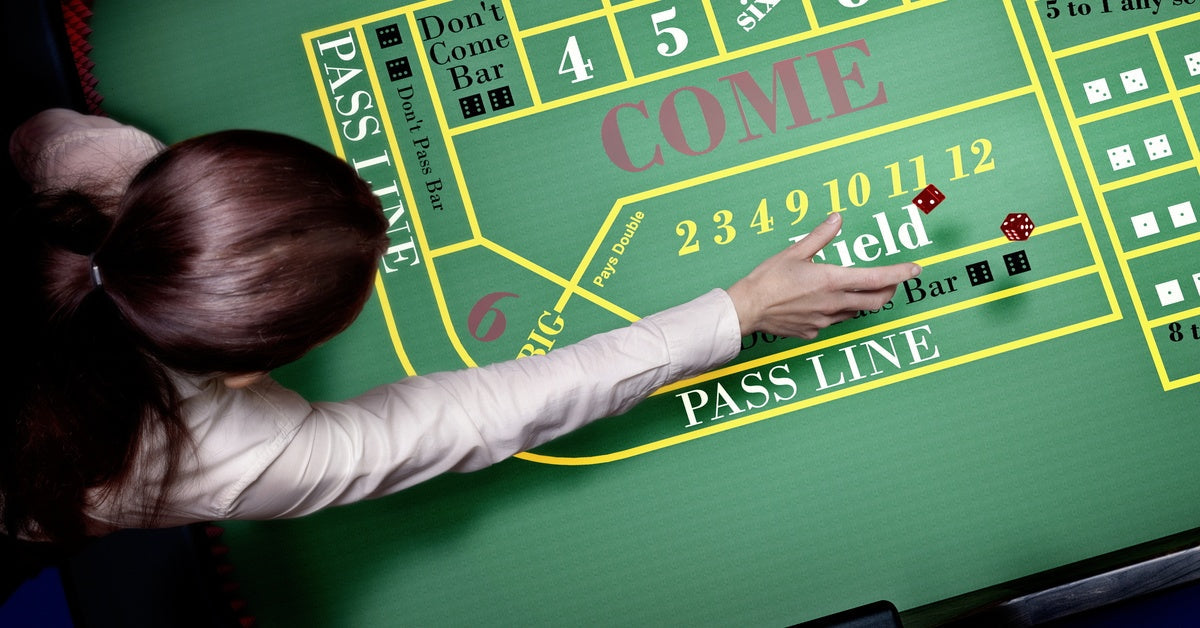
{"type": "Point", "coordinates": [62, 148]}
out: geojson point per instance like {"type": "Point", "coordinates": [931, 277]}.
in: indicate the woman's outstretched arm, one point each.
{"type": "Point", "coordinates": [406, 432]}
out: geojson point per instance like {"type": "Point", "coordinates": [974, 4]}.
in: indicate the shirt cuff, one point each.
{"type": "Point", "coordinates": [700, 334]}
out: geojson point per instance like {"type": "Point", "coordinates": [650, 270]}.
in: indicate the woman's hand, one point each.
{"type": "Point", "coordinates": [790, 295]}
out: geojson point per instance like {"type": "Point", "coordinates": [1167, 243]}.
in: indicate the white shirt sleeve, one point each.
{"type": "Point", "coordinates": [264, 452]}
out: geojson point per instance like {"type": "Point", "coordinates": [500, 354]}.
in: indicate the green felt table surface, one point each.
{"type": "Point", "coordinates": [556, 169]}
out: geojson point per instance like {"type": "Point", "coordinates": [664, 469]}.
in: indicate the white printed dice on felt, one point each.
{"type": "Point", "coordinates": [1169, 292]}
{"type": "Point", "coordinates": [1097, 91]}
{"type": "Point", "coordinates": [1133, 80]}
{"type": "Point", "coordinates": [1182, 214]}
{"type": "Point", "coordinates": [1157, 147]}
{"type": "Point", "coordinates": [1121, 157]}
{"type": "Point", "coordinates": [1145, 224]}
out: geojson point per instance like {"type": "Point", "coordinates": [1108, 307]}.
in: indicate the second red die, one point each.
{"type": "Point", "coordinates": [1017, 226]}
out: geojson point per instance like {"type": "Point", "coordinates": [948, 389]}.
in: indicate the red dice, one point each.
{"type": "Point", "coordinates": [929, 198]}
{"type": "Point", "coordinates": [1017, 226]}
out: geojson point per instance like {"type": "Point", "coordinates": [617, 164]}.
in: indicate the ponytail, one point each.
{"type": "Point", "coordinates": [72, 351]}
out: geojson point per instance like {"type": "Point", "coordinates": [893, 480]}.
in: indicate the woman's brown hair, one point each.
{"type": "Point", "coordinates": [229, 253]}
